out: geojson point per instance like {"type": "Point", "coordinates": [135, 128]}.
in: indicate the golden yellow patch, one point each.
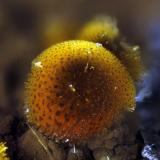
{"type": "Point", "coordinates": [101, 29]}
{"type": "Point", "coordinates": [3, 155]}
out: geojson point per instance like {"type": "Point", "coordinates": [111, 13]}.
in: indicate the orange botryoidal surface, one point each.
{"type": "Point", "coordinates": [76, 89]}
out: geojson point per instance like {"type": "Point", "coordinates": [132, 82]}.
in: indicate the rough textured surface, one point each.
{"type": "Point", "coordinates": [21, 32]}
{"type": "Point", "coordinates": [118, 142]}
{"type": "Point", "coordinates": [75, 89]}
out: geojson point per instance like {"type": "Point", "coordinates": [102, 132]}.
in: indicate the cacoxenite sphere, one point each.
{"type": "Point", "coordinates": [102, 29]}
{"type": "Point", "coordinates": [75, 89]}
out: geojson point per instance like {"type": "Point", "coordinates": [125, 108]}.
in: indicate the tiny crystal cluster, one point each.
{"type": "Point", "coordinates": [3, 155]}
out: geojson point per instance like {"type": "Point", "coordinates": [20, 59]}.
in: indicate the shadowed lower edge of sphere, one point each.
{"type": "Point", "coordinates": [79, 141]}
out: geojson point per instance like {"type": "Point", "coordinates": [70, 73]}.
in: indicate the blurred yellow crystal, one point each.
{"type": "Point", "coordinates": [3, 148]}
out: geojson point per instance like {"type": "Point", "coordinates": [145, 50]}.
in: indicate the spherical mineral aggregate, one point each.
{"type": "Point", "coordinates": [75, 89]}
{"type": "Point", "coordinates": [101, 29]}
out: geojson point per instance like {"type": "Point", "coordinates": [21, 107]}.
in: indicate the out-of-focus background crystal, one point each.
{"type": "Point", "coordinates": [26, 29]}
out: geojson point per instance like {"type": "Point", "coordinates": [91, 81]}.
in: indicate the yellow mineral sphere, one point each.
{"type": "Point", "coordinates": [76, 89]}
{"type": "Point", "coordinates": [102, 29]}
